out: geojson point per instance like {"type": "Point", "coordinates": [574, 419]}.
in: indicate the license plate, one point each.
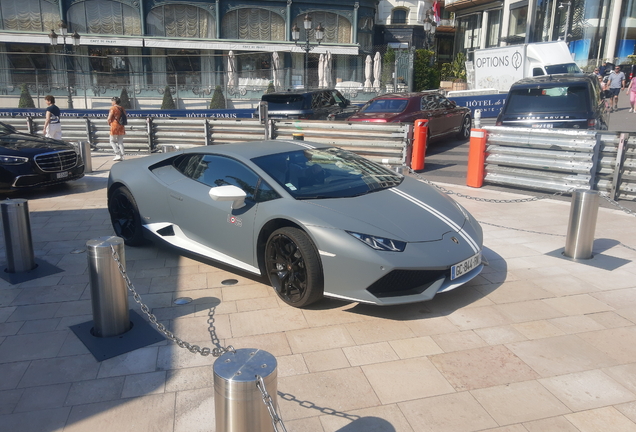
{"type": "Point", "coordinates": [543, 125]}
{"type": "Point", "coordinates": [61, 175]}
{"type": "Point", "coordinates": [464, 267]}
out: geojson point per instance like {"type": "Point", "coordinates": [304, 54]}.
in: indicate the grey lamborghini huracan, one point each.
{"type": "Point", "coordinates": [316, 220]}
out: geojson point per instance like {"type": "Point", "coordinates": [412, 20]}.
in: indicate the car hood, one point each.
{"type": "Point", "coordinates": [27, 143]}
{"type": "Point", "coordinates": [373, 117]}
{"type": "Point", "coordinates": [407, 213]}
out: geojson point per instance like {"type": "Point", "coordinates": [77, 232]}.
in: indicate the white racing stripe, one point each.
{"type": "Point", "coordinates": [441, 216]}
{"type": "Point", "coordinates": [300, 143]}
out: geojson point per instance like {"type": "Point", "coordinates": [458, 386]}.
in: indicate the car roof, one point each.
{"type": "Point", "coordinates": [297, 92]}
{"type": "Point", "coordinates": [555, 79]}
{"type": "Point", "coordinates": [406, 95]}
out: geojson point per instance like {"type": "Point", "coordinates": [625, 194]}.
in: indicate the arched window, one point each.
{"type": "Point", "coordinates": [398, 16]}
{"type": "Point", "coordinates": [104, 17]}
{"type": "Point", "coordinates": [253, 24]}
{"type": "Point", "coordinates": [337, 27]}
{"type": "Point", "coordinates": [180, 20]}
{"type": "Point", "coordinates": [29, 15]}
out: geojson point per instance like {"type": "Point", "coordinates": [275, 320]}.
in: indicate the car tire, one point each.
{"type": "Point", "coordinates": [464, 131]}
{"type": "Point", "coordinates": [125, 218]}
{"type": "Point", "coordinates": [293, 267]}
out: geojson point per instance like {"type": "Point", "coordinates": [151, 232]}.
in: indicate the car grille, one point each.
{"type": "Point", "coordinates": [56, 161]}
{"type": "Point", "coordinates": [405, 282]}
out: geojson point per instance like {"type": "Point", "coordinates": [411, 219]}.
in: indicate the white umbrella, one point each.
{"type": "Point", "coordinates": [321, 71]}
{"type": "Point", "coordinates": [328, 81]}
{"type": "Point", "coordinates": [231, 69]}
{"type": "Point", "coordinates": [377, 70]}
{"type": "Point", "coordinates": [277, 71]}
{"type": "Point", "coordinates": [367, 72]}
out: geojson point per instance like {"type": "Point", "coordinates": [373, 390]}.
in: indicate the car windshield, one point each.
{"type": "Point", "coordinates": [6, 129]}
{"type": "Point", "coordinates": [547, 100]}
{"type": "Point", "coordinates": [385, 106]}
{"type": "Point", "coordinates": [566, 68]}
{"type": "Point", "coordinates": [284, 102]}
{"type": "Point", "coordinates": [326, 173]}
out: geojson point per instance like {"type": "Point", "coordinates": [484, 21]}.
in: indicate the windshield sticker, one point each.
{"type": "Point", "coordinates": [234, 220]}
{"type": "Point", "coordinates": [290, 186]}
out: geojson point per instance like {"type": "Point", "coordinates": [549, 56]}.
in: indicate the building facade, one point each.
{"type": "Point", "coordinates": [594, 29]}
{"type": "Point", "coordinates": [189, 47]}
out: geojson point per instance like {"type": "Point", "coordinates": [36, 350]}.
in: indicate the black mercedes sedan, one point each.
{"type": "Point", "coordinates": [28, 161]}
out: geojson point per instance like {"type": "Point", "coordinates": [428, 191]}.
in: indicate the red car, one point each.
{"type": "Point", "coordinates": [444, 117]}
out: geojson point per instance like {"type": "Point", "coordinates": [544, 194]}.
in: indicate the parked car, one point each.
{"type": "Point", "coordinates": [28, 161]}
{"type": "Point", "coordinates": [555, 101]}
{"type": "Point", "coordinates": [308, 105]}
{"type": "Point", "coordinates": [444, 117]}
{"type": "Point", "coordinates": [315, 219]}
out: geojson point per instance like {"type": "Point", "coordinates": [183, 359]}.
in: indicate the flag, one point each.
{"type": "Point", "coordinates": [437, 12]}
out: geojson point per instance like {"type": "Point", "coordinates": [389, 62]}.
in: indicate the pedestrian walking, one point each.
{"type": "Point", "coordinates": [52, 125]}
{"type": "Point", "coordinates": [631, 90]}
{"type": "Point", "coordinates": [616, 80]}
{"type": "Point", "coordinates": [117, 130]}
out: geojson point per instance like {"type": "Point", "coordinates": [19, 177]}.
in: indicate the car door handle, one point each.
{"type": "Point", "coordinates": [177, 197]}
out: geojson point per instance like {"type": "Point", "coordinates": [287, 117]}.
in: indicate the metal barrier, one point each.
{"type": "Point", "coordinates": [545, 159]}
{"type": "Point", "coordinates": [388, 143]}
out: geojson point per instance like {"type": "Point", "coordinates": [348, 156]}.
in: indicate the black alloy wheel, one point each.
{"type": "Point", "coordinates": [464, 131]}
{"type": "Point", "coordinates": [293, 267]}
{"type": "Point", "coordinates": [124, 215]}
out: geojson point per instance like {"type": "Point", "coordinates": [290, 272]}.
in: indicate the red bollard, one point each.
{"type": "Point", "coordinates": [476, 158]}
{"type": "Point", "coordinates": [420, 131]}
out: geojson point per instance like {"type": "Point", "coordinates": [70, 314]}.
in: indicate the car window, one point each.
{"type": "Point", "coordinates": [432, 102]}
{"type": "Point", "coordinates": [215, 170]}
{"type": "Point", "coordinates": [338, 98]}
{"type": "Point", "coordinates": [385, 106]}
{"type": "Point", "coordinates": [326, 173]}
{"type": "Point", "coordinates": [284, 101]}
{"type": "Point", "coordinates": [567, 68]}
{"type": "Point", "coordinates": [547, 99]}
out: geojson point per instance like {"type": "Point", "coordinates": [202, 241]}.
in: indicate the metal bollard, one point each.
{"type": "Point", "coordinates": [109, 295]}
{"type": "Point", "coordinates": [238, 403]}
{"type": "Point", "coordinates": [85, 153]}
{"type": "Point", "coordinates": [580, 235]}
{"type": "Point", "coordinates": [477, 119]}
{"type": "Point", "coordinates": [17, 235]}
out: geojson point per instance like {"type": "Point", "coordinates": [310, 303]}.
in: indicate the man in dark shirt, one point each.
{"type": "Point", "coordinates": [52, 125]}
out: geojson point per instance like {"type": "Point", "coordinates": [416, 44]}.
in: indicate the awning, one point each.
{"type": "Point", "coordinates": [221, 45]}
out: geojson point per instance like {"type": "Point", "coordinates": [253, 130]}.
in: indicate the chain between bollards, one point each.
{"type": "Point", "coordinates": [277, 421]}
{"type": "Point", "coordinates": [195, 349]}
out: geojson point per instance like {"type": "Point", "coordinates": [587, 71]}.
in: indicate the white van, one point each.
{"type": "Point", "coordinates": [498, 68]}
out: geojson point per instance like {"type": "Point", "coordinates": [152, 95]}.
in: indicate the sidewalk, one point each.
{"type": "Point", "coordinates": [536, 343]}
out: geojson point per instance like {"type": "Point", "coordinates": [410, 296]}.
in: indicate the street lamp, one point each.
{"type": "Point", "coordinates": [76, 41]}
{"type": "Point", "coordinates": [429, 27]}
{"type": "Point", "coordinates": [319, 34]}
{"type": "Point", "coordinates": [567, 18]}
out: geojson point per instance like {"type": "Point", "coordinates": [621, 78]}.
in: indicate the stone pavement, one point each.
{"type": "Point", "coordinates": [536, 343]}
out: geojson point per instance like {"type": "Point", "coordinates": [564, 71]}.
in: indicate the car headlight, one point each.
{"type": "Point", "coordinates": [13, 160]}
{"type": "Point", "coordinates": [379, 243]}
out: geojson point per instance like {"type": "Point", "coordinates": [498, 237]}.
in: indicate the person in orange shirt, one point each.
{"type": "Point", "coordinates": [117, 130]}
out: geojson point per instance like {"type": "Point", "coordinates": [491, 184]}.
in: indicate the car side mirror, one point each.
{"type": "Point", "coordinates": [229, 193]}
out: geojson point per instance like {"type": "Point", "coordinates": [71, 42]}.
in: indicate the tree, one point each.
{"type": "Point", "coordinates": [270, 88]}
{"type": "Point", "coordinates": [425, 74]}
{"type": "Point", "coordinates": [26, 101]}
{"type": "Point", "coordinates": [168, 102]}
{"type": "Point", "coordinates": [125, 100]}
{"type": "Point", "coordinates": [388, 66]}
{"type": "Point", "coordinates": [218, 100]}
